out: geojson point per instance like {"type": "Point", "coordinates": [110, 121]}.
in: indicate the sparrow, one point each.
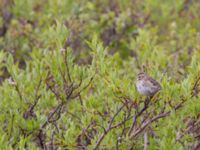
{"type": "Point", "coordinates": [146, 85]}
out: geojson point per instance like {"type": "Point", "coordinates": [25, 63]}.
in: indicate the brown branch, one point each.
{"type": "Point", "coordinates": [70, 92]}
{"type": "Point", "coordinates": [11, 129]}
{"type": "Point", "coordinates": [145, 141]}
{"type": "Point", "coordinates": [144, 125]}
{"type": "Point", "coordinates": [108, 129]}
{"type": "Point", "coordinates": [63, 77]}
{"type": "Point", "coordinates": [75, 116]}
{"type": "Point", "coordinates": [51, 115]}
{"type": "Point", "coordinates": [41, 137]}
{"type": "Point", "coordinates": [101, 139]}
{"type": "Point", "coordinates": [67, 66]}
{"type": "Point", "coordinates": [85, 87]}
{"type": "Point", "coordinates": [189, 130]}
{"type": "Point", "coordinates": [123, 123]}
{"type": "Point", "coordinates": [161, 115]}
{"type": "Point", "coordinates": [146, 103]}
{"type": "Point", "coordinates": [50, 78]}
{"type": "Point", "coordinates": [37, 97]}
{"type": "Point", "coordinates": [115, 115]}
{"type": "Point", "coordinates": [193, 92]}
{"type": "Point", "coordinates": [51, 145]}
{"type": "Point", "coordinates": [19, 92]}
{"type": "Point", "coordinates": [58, 113]}
{"type": "Point", "coordinates": [66, 45]}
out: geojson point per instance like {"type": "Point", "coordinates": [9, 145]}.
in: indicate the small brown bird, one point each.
{"type": "Point", "coordinates": [146, 85]}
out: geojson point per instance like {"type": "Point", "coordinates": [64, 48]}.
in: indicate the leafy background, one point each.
{"type": "Point", "coordinates": [68, 71]}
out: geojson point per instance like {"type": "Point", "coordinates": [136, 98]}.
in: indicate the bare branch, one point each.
{"type": "Point", "coordinates": [195, 91]}
{"type": "Point", "coordinates": [67, 66]}
{"type": "Point", "coordinates": [115, 115]}
{"type": "Point", "coordinates": [85, 87]}
{"type": "Point", "coordinates": [63, 77]}
{"type": "Point", "coordinates": [108, 129]}
{"type": "Point", "coordinates": [37, 97]}
{"type": "Point", "coordinates": [146, 103]}
{"type": "Point", "coordinates": [51, 115]}
{"type": "Point", "coordinates": [18, 92]}
{"type": "Point", "coordinates": [145, 141]}
{"type": "Point", "coordinates": [144, 125]}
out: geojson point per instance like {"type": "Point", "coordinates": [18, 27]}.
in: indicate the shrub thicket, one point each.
{"type": "Point", "coordinates": [68, 71]}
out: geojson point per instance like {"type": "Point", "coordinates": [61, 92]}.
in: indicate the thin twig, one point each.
{"type": "Point", "coordinates": [67, 66]}
{"type": "Point", "coordinates": [19, 92]}
{"type": "Point", "coordinates": [63, 77]}
{"type": "Point", "coordinates": [195, 86]}
{"type": "Point", "coordinates": [51, 115]}
{"type": "Point", "coordinates": [145, 140]}
{"type": "Point", "coordinates": [146, 103]}
{"type": "Point", "coordinates": [85, 87]}
{"type": "Point", "coordinates": [51, 145]}
{"type": "Point", "coordinates": [108, 129]}
{"type": "Point", "coordinates": [37, 97]}
{"type": "Point", "coordinates": [143, 126]}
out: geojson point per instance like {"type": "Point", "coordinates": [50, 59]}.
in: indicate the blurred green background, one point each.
{"type": "Point", "coordinates": [163, 36]}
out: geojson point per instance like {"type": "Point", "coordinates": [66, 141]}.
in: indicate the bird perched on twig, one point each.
{"type": "Point", "coordinates": [146, 85]}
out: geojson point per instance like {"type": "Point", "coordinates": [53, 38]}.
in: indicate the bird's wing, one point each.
{"type": "Point", "coordinates": [155, 83]}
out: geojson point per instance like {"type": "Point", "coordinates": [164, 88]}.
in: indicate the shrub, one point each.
{"type": "Point", "coordinates": [68, 75]}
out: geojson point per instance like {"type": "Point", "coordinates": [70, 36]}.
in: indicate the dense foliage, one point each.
{"type": "Point", "coordinates": [68, 71]}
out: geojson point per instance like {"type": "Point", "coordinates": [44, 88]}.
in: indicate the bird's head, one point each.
{"type": "Point", "coordinates": [141, 76]}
